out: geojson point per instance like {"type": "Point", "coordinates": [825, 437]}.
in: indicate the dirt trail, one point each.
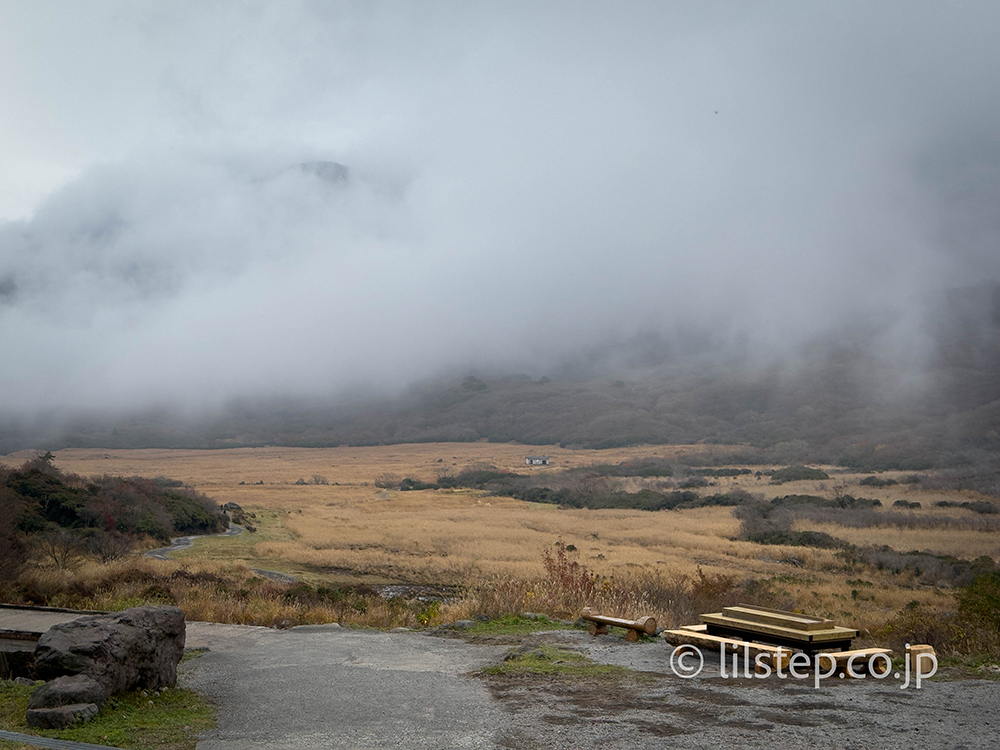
{"type": "Point", "coordinates": [184, 542]}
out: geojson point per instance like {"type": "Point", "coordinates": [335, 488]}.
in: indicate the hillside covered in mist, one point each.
{"type": "Point", "coordinates": [770, 225]}
{"type": "Point", "coordinates": [849, 397]}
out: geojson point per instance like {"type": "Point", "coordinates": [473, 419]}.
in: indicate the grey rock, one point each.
{"type": "Point", "coordinates": [533, 616]}
{"type": "Point", "coordinates": [330, 171]}
{"type": "Point", "coordinates": [61, 716]}
{"type": "Point", "coordinates": [68, 690]}
{"type": "Point", "coordinates": [136, 648]}
{"type": "Point", "coordinates": [23, 681]}
{"type": "Point", "coordinates": [463, 624]}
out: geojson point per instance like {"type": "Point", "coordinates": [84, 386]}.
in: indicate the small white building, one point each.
{"type": "Point", "coordinates": [536, 460]}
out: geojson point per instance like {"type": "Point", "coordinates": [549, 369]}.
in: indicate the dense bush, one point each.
{"type": "Point", "coordinates": [980, 600]}
{"type": "Point", "coordinates": [979, 506]}
{"type": "Point", "coordinates": [796, 474]}
{"type": "Point", "coordinates": [693, 483]}
{"type": "Point", "coordinates": [818, 539]}
{"type": "Point", "coordinates": [874, 481]}
{"type": "Point", "coordinates": [647, 467]}
{"type": "Point", "coordinates": [408, 483]}
{"type": "Point", "coordinates": [722, 472]}
{"type": "Point", "coordinates": [841, 501]}
{"type": "Point", "coordinates": [576, 489]}
{"type": "Point", "coordinates": [101, 513]}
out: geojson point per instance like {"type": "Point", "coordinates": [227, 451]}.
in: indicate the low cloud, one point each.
{"type": "Point", "coordinates": [524, 188]}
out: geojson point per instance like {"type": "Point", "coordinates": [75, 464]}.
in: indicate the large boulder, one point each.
{"type": "Point", "coordinates": [61, 716]}
{"type": "Point", "coordinates": [135, 648]}
{"type": "Point", "coordinates": [67, 690]}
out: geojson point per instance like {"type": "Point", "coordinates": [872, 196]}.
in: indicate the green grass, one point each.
{"type": "Point", "coordinates": [241, 548]}
{"type": "Point", "coordinates": [551, 660]}
{"type": "Point", "coordinates": [515, 625]}
{"type": "Point", "coordinates": [144, 720]}
{"type": "Point", "coordinates": [193, 653]}
{"type": "Point", "coordinates": [970, 666]}
{"type": "Point", "coordinates": [270, 526]}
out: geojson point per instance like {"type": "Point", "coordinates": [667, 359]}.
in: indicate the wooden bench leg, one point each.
{"type": "Point", "coordinates": [598, 629]}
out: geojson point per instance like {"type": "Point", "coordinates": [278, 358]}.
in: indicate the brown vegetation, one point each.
{"type": "Point", "coordinates": [492, 556]}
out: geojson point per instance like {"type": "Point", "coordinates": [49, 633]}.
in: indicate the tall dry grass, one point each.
{"type": "Point", "coordinates": [338, 537]}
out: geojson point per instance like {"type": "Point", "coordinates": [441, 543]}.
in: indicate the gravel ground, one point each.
{"type": "Point", "coordinates": [326, 687]}
{"type": "Point", "coordinates": [710, 711]}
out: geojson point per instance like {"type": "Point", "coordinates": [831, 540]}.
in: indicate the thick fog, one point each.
{"type": "Point", "coordinates": [522, 182]}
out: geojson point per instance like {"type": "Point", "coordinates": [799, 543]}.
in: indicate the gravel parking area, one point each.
{"type": "Point", "coordinates": [322, 686]}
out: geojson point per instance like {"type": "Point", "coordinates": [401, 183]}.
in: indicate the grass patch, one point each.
{"type": "Point", "coordinates": [551, 660]}
{"type": "Point", "coordinates": [516, 625]}
{"type": "Point", "coordinates": [145, 720]}
{"type": "Point", "coordinates": [983, 666]}
{"type": "Point", "coordinates": [193, 653]}
{"type": "Point", "coordinates": [271, 527]}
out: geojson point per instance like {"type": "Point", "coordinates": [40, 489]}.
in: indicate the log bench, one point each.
{"type": "Point", "coordinates": [695, 635]}
{"type": "Point", "coordinates": [599, 625]}
{"type": "Point", "coordinates": [839, 660]}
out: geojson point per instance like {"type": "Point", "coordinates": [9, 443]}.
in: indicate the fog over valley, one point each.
{"type": "Point", "coordinates": [404, 222]}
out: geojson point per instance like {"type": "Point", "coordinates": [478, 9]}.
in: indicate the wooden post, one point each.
{"type": "Point", "coordinates": [597, 629]}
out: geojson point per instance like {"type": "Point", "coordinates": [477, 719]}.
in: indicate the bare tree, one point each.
{"type": "Point", "coordinates": [61, 547]}
{"type": "Point", "coordinates": [109, 545]}
{"type": "Point", "coordinates": [387, 481]}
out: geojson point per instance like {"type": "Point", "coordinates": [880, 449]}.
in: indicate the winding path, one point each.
{"type": "Point", "coordinates": [184, 542]}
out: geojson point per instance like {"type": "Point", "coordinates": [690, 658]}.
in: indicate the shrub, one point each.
{"type": "Point", "coordinates": [409, 483]}
{"type": "Point", "coordinates": [982, 507]}
{"type": "Point", "coordinates": [13, 552]}
{"type": "Point", "coordinates": [387, 481]}
{"type": "Point", "coordinates": [693, 483]}
{"type": "Point", "coordinates": [914, 624]}
{"type": "Point", "coordinates": [980, 601]}
{"type": "Point", "coordinates": [874, 481]}
{"type": "Point", "coordinates": [722, 472]}
{"type": "Point", "coordinates": [571, 585]}
{"type": "Point", "coordinates": [979, 506]}
{"type": "Point", "coordinates": [797, 474]}
{"type": "Point", "coordinates": [906, 504]}
{"type": "Point", "coordinates": [818, 539]}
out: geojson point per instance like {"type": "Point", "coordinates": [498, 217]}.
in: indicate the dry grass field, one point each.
{"type": "Point", "coordinates": [338, 528]}
{"type": "Point", "coordinates": [350, 530]}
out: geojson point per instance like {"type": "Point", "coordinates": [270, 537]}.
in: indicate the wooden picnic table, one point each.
{"type": "Point", "coordinates": [780, 628]}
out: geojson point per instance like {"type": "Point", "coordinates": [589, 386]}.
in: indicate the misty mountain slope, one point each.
{"type": "Point", "coordinates": [847, 397]}
{"type": "Point", "coordinates": [699, 223]}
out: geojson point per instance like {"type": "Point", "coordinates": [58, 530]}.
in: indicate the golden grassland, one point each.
{"type": "Point", "coordinates": [349, 531]}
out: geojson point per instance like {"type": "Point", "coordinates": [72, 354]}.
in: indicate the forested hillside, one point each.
{"type": "Point", "coordinates": [62, 515]}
